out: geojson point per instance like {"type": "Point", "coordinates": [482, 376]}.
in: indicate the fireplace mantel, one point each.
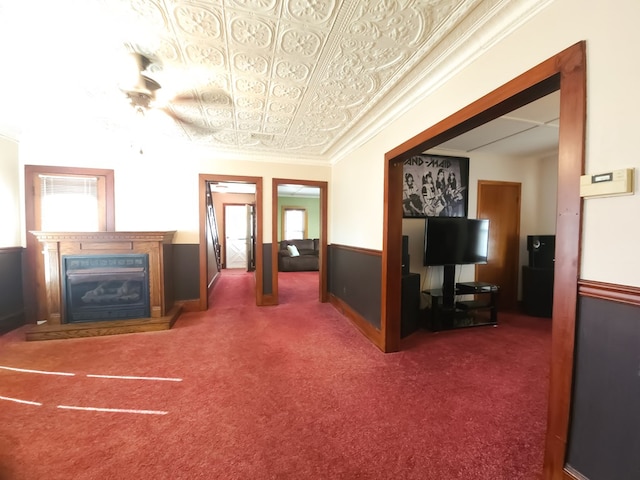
{"type": "Point", "coordinates": [57, 245]}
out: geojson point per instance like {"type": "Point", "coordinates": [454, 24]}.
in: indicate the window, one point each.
{"type": "Point", "coordinates": [294, 223]}
{"type": "Point", "coordinates": [69, 203]}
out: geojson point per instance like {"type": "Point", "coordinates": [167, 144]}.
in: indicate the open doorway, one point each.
{"type": "Point", "coordinates": [299, 218]}
{"type": "Point", "coordinates": [239, 235]}
{"type": "Point", "coordinates": [237, 202]}
{"type": "Point", "coordinates": [565, 71]}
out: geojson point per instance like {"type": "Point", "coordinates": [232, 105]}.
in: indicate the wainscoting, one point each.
{"type": "Point", "coordinates": [11, 299]}
{"type": "Point", "coordinates": [605, 420]}
{"type": "Point", "coordinates": [354, 284]}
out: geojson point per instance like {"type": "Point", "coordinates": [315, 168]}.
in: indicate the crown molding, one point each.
{"type": "Point", "coordinates": [491, 22]}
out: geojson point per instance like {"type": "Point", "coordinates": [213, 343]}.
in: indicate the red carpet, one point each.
{"type": "Point", "coordinates": [285, 392]}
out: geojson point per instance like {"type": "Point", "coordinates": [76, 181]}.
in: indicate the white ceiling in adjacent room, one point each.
{"type": "Point", "coordinates": [529, 131]}
{"type": "Point", "coordinates": [298, 191]}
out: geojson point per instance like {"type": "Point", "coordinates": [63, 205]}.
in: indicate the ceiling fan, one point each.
{"type": "Point", "coordinates": [142, 92]}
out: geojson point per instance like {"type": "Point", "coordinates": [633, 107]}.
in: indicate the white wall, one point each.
{"type": "Point", "coordinates": [610, 29]}
{"type": "Point", "coordinates": [537, 176]}
{"type": "Point", "coordinates": [10, 219]}
{"type": "Point", "coordinates": [158, 190]}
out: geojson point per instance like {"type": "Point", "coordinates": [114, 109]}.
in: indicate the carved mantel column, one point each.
{"type": "Point", "coordinates": [51, 253]}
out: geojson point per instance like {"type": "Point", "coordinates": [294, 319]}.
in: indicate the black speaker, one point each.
{"type": "Point", "coordinates": [542, 250]}
{"type": "Point", "coordinates": [405, 255]}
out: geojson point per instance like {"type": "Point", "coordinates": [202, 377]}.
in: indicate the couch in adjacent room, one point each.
{"type": "Point", "coordinates": [298, 255]}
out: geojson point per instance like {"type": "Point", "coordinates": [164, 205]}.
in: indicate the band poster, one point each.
{"type": "Point", "coordinates": [435, 185]}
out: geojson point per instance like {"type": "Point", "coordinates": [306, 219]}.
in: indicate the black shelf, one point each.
{"type": "Point", "coordinates": [463, 313]}
{"type": "Point", "coordinates": [473, 304]}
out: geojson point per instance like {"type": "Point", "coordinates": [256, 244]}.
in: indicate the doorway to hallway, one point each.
{"type": "Point", "coordinates": [239, 234]}
{"type": "Point", "coordinates": [228, 190]}
{"type": "Point", "coordinates": [286, 189]}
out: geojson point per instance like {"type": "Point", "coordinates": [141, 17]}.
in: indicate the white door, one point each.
{"type": "Point", "coordinates": [237, 241]}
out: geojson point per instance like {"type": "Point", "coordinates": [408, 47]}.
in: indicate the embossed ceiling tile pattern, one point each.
{"type": "Point", "coordinates": [301, 72]}
{"type": "Point", "coordinates": [282, 76]}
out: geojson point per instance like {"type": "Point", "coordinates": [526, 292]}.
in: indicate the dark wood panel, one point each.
{"type": "Point", "coordinates": [12, 314]}
{"type": "Point", "coordinates": [605, 414]}
{"type": "Point", "coordinates": [186, 279]}
{"type": "Point", "coordinates": [361, 324]}
{"type": "Point", "coordinates": [267, 269]}
{"type": "Point", "coordinates": [355, 278]}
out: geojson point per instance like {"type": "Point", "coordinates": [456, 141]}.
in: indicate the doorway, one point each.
{"type": "Point", "coordinates": [565, 71]}
{"type": "Point", "coordinates": [239, 236]}
{"type": "Point", "coordinates": [499, 202]}
{"type": "Point", "coordinates": [254, 256]}
{"type": "Point", "coordinates": [277, 226]}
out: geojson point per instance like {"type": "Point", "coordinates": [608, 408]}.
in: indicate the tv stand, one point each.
{"type": "Point", "coordinates": [463, 313]}
{"type": "Point", "coordinates": [449, 286]}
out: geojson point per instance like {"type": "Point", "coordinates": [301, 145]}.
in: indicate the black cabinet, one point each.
{"type": "Point", "coordinates": [537, 291]}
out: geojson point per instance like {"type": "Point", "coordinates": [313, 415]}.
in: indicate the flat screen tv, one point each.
{"type": "Point", "coordinates": [455, 241]}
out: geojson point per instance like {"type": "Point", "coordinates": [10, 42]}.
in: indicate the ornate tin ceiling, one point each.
{"type": "Point", "coordinates": [295, 77]}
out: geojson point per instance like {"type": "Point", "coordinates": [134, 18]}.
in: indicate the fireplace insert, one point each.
{"type": "Point", "coordinates": [105, 287]}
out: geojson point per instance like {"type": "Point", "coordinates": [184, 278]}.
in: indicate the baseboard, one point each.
{"type": "Point", "coordinates": [570, 474]}
{"type": "Point", "coordinates": [374, 335]}
{"type": "Point", "coordinates": [268, 300]}
{"type": "Point", "coordinates": [189, 305]}
{"type": "Point", "coordinates": [12, 321]}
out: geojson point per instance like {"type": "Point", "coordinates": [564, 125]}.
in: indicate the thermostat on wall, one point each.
{"type": "Point", "coordinates": [616, 182]}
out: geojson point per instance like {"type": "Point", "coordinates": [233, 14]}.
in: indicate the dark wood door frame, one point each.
{"type": "Point", "coordinates": [203, 180]}
{"type": "Point", "coordinates": [565, 71]}
{"type": "Point", "coordinates": [323, 186]}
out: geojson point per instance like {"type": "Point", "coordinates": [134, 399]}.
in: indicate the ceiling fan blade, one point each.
{"type": "Point", "coordinates": [185, 121]}
{"type": "Point", "coordinates": [206, 97]}
{"type": "Point", "coordinates": [184, 99]}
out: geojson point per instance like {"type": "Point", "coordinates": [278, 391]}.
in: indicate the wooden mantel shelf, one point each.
{"type": "Point", "coordinates": [164, 237]}
{"type": "Point", "coordinates": [56, 245]}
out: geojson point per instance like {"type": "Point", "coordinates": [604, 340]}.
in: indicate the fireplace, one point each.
{"type": "Point", "coordinates": [105, 287]}
{"type": "Point", "coordinates": [105, 283]}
